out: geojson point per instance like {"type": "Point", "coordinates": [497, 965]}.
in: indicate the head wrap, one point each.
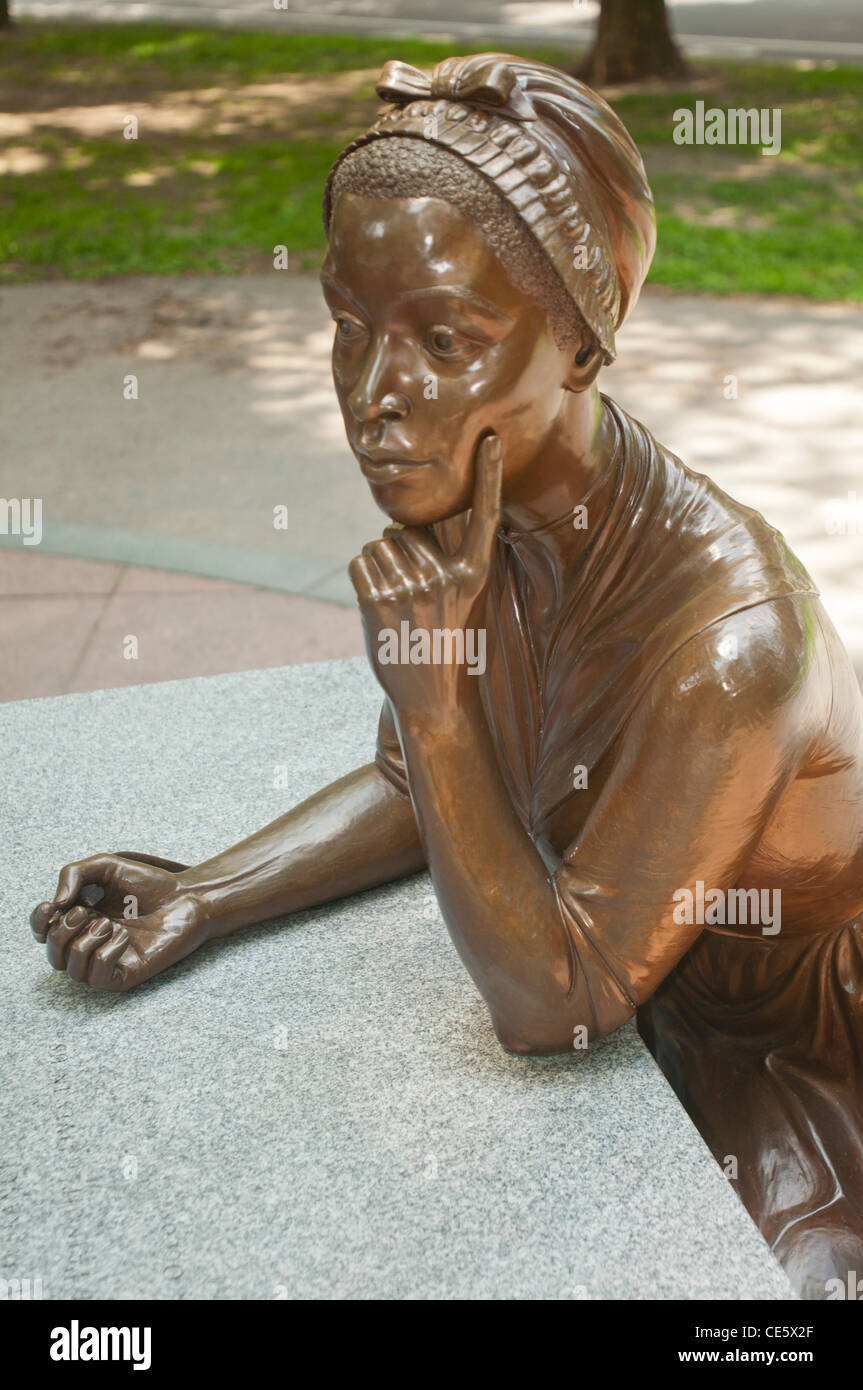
{"type": "Point", "coordinates": [554, 150]}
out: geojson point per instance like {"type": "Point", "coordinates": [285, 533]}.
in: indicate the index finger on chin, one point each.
{"type": "Point", "coordinates": [485, 511]}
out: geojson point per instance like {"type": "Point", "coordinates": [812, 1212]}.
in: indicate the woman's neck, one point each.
{"type": "Point", "coordinates": [572, 458]}
{"type": "Point", "coordinates": [549, 543]}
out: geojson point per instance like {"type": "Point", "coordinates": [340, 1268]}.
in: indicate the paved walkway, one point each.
{"type": "Point", "coordinates": [236, 416]}
{"type": "Point", "coordinates": [788, 29]}
{"type": "Point", "coordinates": [68, 623]}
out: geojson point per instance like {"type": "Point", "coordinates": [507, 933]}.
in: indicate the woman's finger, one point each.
{"type": "Point", "coordinates": [484, 521]}
{"type": "Point", "coordinates": [99, 869]}
{"type": "Point", "coordinates": [41, 918]}
{"type": "Point", "coordinates": [97, 933]}
{"type": "Point", "coordinates": [62, 934]}
{"type": "Point", "coordinates": [106, 971]}
{"type": "Point", "coordinates": [426, 558]}
{"type": "Point", "coordinates": [393, 563]}
{"type": "Point", "coordinates": [366, 578]}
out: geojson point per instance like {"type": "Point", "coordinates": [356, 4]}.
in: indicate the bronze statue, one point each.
{"type": "Point", "coordinates": [644, 795]}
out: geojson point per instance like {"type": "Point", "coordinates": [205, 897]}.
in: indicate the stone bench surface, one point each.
{"type": "Point", "coordinates": [316, 1108]}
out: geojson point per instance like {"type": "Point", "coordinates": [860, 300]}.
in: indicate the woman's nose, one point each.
{"type": "Point", "coordinates": [393, 406]}
{"type": "Point", "coordinates": [373, 398]}
{"type": "Point", "coordinates": [390, 408]}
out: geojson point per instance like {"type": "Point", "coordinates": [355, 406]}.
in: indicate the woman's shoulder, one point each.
{"type": "Point", "coordinates": [763, 664]}
{"type": "Point", "coordinates": [683, 524]}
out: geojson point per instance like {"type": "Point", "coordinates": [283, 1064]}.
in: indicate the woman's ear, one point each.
{"type": "Point", "coordinates": [584, 365]}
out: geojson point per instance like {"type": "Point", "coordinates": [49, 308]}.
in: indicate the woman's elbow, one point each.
{"type": "Point", "coordinates": [534, 1037]}
{"type": "Point", "coordinates": [553, 1033]}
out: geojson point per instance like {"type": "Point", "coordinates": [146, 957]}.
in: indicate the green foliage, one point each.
{"type": "Point", "coordinates": [193, 199]}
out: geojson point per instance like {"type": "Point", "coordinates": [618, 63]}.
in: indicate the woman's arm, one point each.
{"type": "Point", "coordinates": [703, 762]}
{"type": "Point", "coordinates": [354, 834]}
{"type": "Point", "coordinates": [697, 772]}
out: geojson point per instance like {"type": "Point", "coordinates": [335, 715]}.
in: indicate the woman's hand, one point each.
{"type": "Point", "coordinates": [143, 922]}
{"type": "Point", "coordinates": [406, 576]}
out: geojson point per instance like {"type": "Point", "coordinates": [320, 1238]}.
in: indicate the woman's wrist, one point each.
{"type": "Point", "coordinates": [451, 719]}
{"type": "Point", "coordinates": [204, 901]}
{"type": "Point", "coordinates": [224, 906]}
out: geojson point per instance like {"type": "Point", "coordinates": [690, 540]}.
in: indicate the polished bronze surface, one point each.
{"type": "Point", "coordinates": [644, 796]}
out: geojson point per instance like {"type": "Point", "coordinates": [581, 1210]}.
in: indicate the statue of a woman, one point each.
{"type": "Point", "coordinates": [645, 792]}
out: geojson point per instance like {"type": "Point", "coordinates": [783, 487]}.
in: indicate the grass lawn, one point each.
{"type": "Point", "coordinates": [236, 132]}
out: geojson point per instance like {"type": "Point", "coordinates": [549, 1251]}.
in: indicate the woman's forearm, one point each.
{"type": "Point", "coordinates": [492, 886]}
{"type": "Point", "coordinates": [351, 835]}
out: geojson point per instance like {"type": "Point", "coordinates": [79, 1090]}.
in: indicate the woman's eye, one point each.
{"type": "Point", "coordinates": [347, 329]}
{"type": "Point", "coordinates": [446, 342]}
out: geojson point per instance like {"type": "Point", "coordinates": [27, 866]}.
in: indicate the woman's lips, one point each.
{"type": "Point", "coordinates": [385, 471]}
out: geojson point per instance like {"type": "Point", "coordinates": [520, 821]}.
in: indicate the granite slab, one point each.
{"type": "Point", "coordinates": [315, 1108]}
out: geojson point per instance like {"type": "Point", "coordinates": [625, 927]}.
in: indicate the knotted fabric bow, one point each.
{"type": "Point", "coordinates": [476, 81]}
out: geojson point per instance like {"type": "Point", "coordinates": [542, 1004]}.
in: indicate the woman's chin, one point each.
{"type": "Point", "coordinates": [413, 511]}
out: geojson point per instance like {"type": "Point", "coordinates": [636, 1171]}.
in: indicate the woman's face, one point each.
{"type": "Point", "coordinates": [434, 348]}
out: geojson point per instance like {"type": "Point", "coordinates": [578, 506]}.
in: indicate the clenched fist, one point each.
{"type": "Point", "coordinates": [118, 919]}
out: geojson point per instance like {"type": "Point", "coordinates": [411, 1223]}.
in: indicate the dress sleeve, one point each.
{"type": "Point", "coordinates": [706, 755]}
{"type": "Point", "coordinates": [388, 751]}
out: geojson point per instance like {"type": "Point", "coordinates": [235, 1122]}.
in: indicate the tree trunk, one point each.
{"type": "Point", "coordinates": [633, 42]}
{"type": "Point", "coordinates": [5, 16]}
